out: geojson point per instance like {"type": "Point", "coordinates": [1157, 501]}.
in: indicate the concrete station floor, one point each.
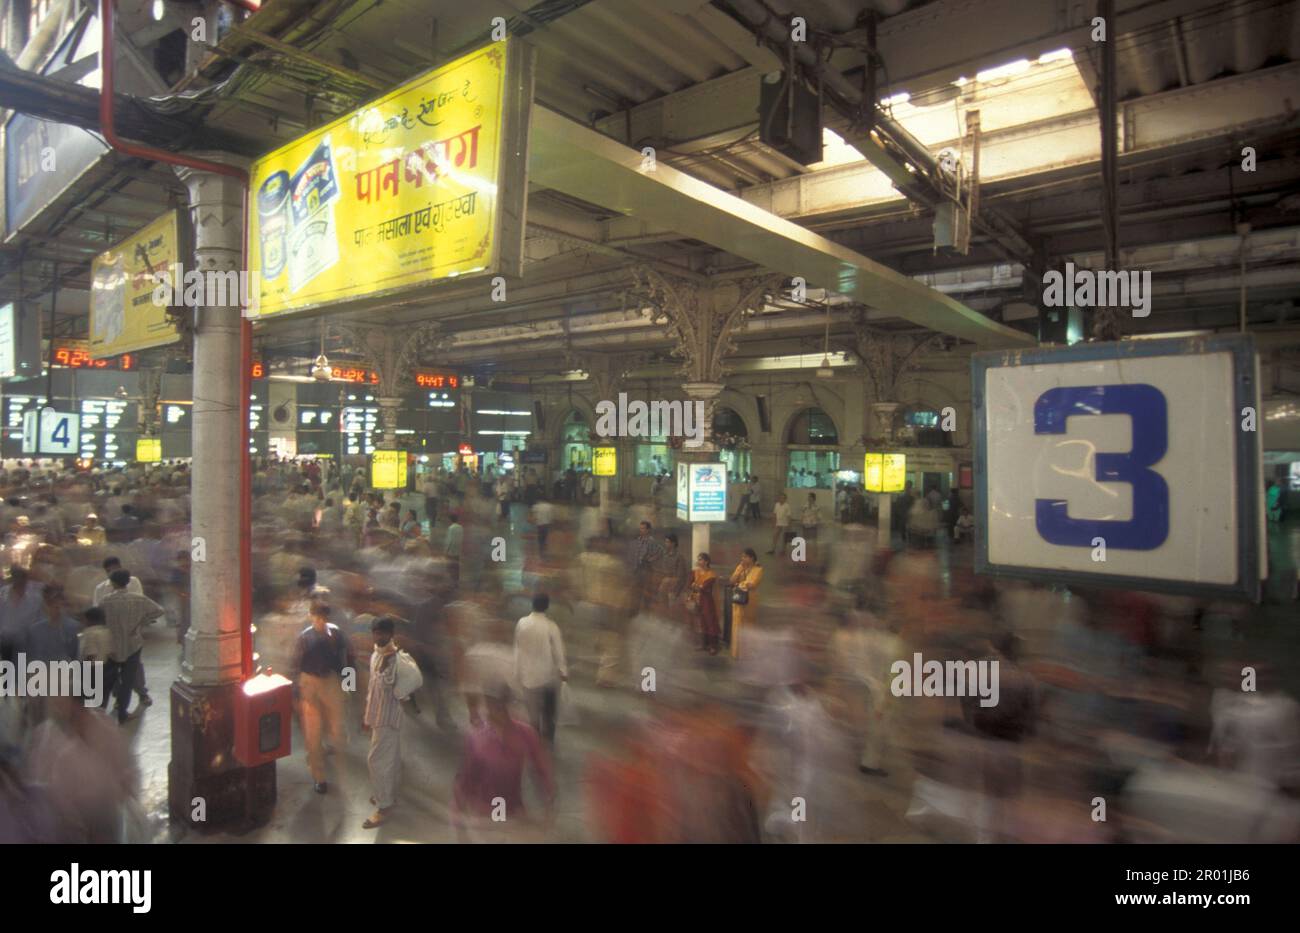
{"type": "Point", "coordinates": [431, 756]}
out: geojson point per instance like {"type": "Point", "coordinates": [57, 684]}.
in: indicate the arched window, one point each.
{"type": "Point", "coordinates": [575, 447]}
{"type": "Point", "coordinates": [921, 425]}
{"type": "Point", "coordinates": [813, 427]}
{"type": "Point", "coordinates": [731, 436]}
{"type": "Point", "coordinates": [809, 464]}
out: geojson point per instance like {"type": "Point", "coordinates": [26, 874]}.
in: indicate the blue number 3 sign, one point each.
{"type": "Point", "coordinates": [1146, 406]}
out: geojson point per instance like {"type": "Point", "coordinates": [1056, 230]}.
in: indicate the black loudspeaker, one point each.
{"type": "Point", "coordinates": [790, 118]}
{"type": "Point", "coordinates": [538, 416]}
{"type": "Point", "coordinates": [764, 418]}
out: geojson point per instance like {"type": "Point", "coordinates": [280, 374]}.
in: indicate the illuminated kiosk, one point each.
{"type": "Point", "coordinates": [884, 474]}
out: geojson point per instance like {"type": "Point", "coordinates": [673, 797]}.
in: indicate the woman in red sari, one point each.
{"type": "Point", "coordinates": [703, 605]}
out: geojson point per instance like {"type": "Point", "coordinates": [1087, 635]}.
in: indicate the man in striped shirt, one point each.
{"type": "Point", "coordinates": [126, 614]}
{"type": "Point", "coordinates": [383, 720]}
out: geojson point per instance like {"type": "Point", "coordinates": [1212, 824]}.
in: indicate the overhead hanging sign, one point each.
{"type": "Point", "coordinates": [1133, 464]}
{"type": "Point", "coordinates": [42, 158]}
{"type": "Point", "coordinates": [426, 184]}
{"type": "Point", "coordinates": [8, 342]}
{"type": "Point", "coordinates": [20, 341]}
{"type": "Point", "coordinates": [124, 317]}
{"type": "Point", "coordinates": [46, 431]}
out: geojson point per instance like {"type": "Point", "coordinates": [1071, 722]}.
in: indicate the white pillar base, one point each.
{"type": "Point", "coordinates": [884, 504]}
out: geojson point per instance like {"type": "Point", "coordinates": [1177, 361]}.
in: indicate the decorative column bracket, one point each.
{"type": "Point", "coordinates": [392, 356]}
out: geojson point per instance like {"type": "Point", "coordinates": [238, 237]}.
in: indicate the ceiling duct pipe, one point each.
{"type": "Point", "coordinates": [896, 147]}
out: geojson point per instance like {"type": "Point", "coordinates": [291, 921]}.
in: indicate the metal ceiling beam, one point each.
{"type": "Point", "coordinates": [50, 99]}
{"type": "Point", "coordinates": [586, 164]}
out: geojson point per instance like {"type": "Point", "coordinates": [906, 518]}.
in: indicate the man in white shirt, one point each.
{"type": "Point", "coordinates": [781, 512]}
{"type": "Point", "coordinates": [451, 549]}
{"type": "Point", "coordinates": [755, 498]}
{"type": "Point", "coordinates": [105, 586]}
{"type": "Point", "coordinates": [540, 666]}
{"type": "Point", "coordinates": [543, 516]}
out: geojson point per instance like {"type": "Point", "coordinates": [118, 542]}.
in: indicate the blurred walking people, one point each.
{"type": "Point", "coordinates": [540, 666]}
{"type": "Point", "coordinates": [643, 553]}
{"type": "Point", "coordinates": [488, 794]}
{"type": "Point", "coordinates": [321, 656]}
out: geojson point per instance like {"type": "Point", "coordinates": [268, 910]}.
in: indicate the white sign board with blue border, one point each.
{"type": "Point", "coordinates": [51, 432]}
{"type": "Point", "coordinates": [1130, 464]}
{"type": "Point", "coordinates": [702, 492]}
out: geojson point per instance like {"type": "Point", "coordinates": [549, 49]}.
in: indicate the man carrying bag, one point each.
{"type": "Point", "coordinates": [394, 677]}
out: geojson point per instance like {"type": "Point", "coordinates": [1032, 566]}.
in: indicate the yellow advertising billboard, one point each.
{"type": "Point", "coordinates": [123, 315]}
{"type": "Point", "coordinates": [604, 461]}
{"type": "Point", "coordinates": [884, 472]}
{"type": "Point", "coordinates": [388, 469]}
{"type": "Point", "coordinates": [427, 183]}
{"type": "Point", "coordinates": [148, 449]}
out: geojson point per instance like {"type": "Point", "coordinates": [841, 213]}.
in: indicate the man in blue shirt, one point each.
{"type": "Point", "coordinates": [20, 607]}
{"type": "Point", "coordinates": [321, 655]}
{"type": "Point", "coordinates": [53, 636]}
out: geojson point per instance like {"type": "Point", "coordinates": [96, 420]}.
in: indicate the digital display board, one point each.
{"type": "Point", "coordinates": [76, 355]}
{"type": "Point", "coordinates": [436, 381]}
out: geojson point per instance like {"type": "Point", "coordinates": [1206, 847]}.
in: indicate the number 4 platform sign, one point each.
{"type": "Point", "coordinates": [56, 433]}
{"type": "Point", "coordinates": [1133, 464]}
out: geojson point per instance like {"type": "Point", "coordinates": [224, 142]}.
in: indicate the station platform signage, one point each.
{"type": "Point", "coordinates": [702, 492]}
{"type": "Point", "coordinates": [1134, 464]}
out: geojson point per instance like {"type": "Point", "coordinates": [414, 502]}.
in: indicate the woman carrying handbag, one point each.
{"type": "Point", "coordinates": [744, 580]}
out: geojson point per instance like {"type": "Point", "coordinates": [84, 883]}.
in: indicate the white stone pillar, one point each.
{"type": "Point", "coordinates": [706, 392]}
{"type": "Point", "coordinates": [883, 415]}
{"type": "Point", "coordinates": [388, 410]}
{"type": "Point", "coordinates": [885, 514]}
{"type": "Point", "coordinates": [212, 644]}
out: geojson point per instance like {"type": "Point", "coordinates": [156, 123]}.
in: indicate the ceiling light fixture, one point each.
{"type": "Point", "coordinates": [321, 370]}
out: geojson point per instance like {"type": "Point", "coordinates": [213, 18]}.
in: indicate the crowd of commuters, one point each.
{"type": "Point", "coordinates": [711, 688]}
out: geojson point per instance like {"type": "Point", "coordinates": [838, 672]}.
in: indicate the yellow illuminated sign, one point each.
{"type": "Point", "coordinates": [884, 472]}
{"type": "Point", "coordinates": [604, 461]}
{"type": "Point", "coordinates": [388, 469]}
{"type": "Point", "coordinates": [406, 190]}
{"type": "Point", "coordinates": [148, 449]}
{"type": "Point", "coordinates": [124, 317]}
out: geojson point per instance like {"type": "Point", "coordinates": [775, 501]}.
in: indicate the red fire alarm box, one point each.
{"type": "Point", "coordinates": [263, 711]}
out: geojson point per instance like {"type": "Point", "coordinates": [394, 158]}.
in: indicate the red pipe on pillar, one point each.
{"type": "Point", "coordinates": [107, 127]}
